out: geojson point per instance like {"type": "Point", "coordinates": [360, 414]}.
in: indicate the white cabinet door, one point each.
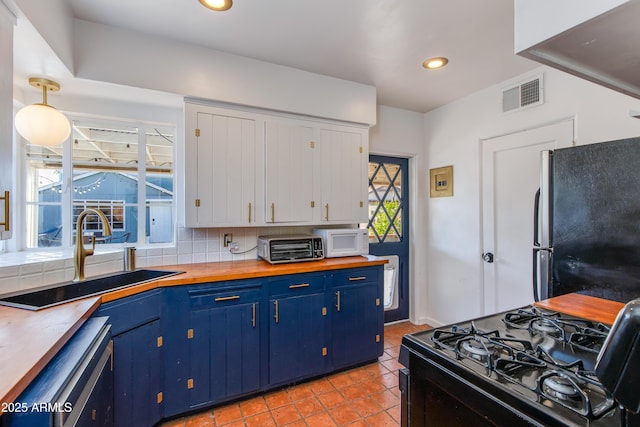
{"type": "Point", "coordinates": [344, 175]}
{"type": "Point", "coordinates": [220, 163]}
{"type": "Point", "coordinates": [289, 166]}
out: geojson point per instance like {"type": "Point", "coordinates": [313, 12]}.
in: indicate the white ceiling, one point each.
{"type": "Point", "coordinates": [376, 42]}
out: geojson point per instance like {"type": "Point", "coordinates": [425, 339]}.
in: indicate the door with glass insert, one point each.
{"type": "Point", "coordinates": [389, 229]}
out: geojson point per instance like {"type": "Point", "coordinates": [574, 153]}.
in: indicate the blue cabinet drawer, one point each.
{"type": "Point", "coordinates": [355, 276]}
{"type": "Point", "coordinates": [224, 294]}
{"type": "Point", "coordinates": [130, 312]}
{"type": "Point", "coordinates": [298, 284]}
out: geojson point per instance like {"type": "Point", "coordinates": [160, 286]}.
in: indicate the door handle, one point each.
{"type": "Point", "coordinates": [277, 316]}
{"type": "Point", "coordinates": [488, 257]}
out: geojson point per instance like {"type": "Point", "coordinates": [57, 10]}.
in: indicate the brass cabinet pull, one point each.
{"type": "Point", "coordinates": [273, 212]}
{"type": "Point", "coordinates": [249, 213]}
{"type": "Point", "coordinates": [326, 212]}
{"type": "Point", "coordinates": [301, 285]}
{"type": "Point", "coordinates": [276, 305]}
{"type": "Point", "coordinates": [221, 299]}
{"type": "Point", "coordinates": [355, 279]}
{"type": "Point", "coordinates": [338, 300]}
{"type": "Point", "coordinates": [253, 315]}
{"type": "Point", "coordinates": [6, 211]}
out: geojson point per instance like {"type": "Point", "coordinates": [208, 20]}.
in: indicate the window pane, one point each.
{"type": "Point", "coordinates": [385, 203]}
{"type": "Point", "coordinates": [43, 193]}
{"type": "Point", "coordinates": [105, 177]}
{"type": "Point", "coordinates": [159, 188]}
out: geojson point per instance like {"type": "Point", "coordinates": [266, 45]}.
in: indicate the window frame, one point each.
{"type": "Point", "coordinates": [68, 205]}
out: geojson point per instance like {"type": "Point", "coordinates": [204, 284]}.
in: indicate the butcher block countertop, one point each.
{"type": "Point", "coordinates": [30, 339]}
{"type": "Point", "coordinates": [234, 270]}
{"type": "Point", "coordinates": [587, 307]}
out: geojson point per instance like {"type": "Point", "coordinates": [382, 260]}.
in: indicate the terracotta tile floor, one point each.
{"type": "Point", "coordinates": [364, 396]}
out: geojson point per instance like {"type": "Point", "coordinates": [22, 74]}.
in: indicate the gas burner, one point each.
{"type": "Point", "coordinates": [476, 348]}
{"type": "Point", "coordinates": [546, 326]}
{"type": "Point", "coordinates": [561, 388]}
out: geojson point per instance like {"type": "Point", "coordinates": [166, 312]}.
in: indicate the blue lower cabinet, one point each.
{"type": "Point", "coordinates": [137, 358]}
{"type": "Point", "coordinates": [297, 347]}
{"type": "Point", "coordinates": [137, 376]}
{"type": "Point", "coordinates": [357, 318]}
{"type": "Point", "coordinates": [224, 353]}
{"type": "Point", "coordinates": [224, 344]}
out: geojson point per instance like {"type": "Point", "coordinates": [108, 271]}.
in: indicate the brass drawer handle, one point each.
{"type": "Point", "coordinates": [355, 279]}
{"type": "Point", "coordinates": [301, 285]}
{"type": "Point", "coordinates": [221, 299]}
{"type": "Point", "coordinates": [276, 306]}
{"type": "Point", "coordinates": [249, 213]}
{"type": "Point", "coordinates": [338, 300]}
{"type": "Point", "coordinates": [326, 209]}
{"type": "Point", "coordinates": [273, 212]}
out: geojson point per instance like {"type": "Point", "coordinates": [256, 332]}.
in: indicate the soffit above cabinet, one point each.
{"type": "Point", "coordinates": [603, 49]}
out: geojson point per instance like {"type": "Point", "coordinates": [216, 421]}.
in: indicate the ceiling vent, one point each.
{"type": "Point", "coordinates": [522, 95]}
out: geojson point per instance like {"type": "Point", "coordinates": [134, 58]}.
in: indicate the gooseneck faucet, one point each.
{"type": "Point", "coordinates": [81, 252]}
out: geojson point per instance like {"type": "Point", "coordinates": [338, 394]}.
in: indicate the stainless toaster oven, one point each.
{"type": "Point", "coordinates": [281, 249]}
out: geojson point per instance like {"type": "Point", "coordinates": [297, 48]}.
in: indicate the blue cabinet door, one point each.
{"type": "Point", "coordinates": [357, 317]}
{"type": "Point", "coordinates": [137, 376]}
{"type": "Point", "coordinates": [224, 353]}
{"type": "Point", "coordinates": [296, 338]}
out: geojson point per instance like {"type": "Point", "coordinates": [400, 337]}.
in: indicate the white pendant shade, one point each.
{"type": "Point", "coordinates": [42, 125]}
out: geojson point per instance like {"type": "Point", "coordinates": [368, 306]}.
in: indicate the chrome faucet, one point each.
{"type": "Point", "coordinates": [81, 252]}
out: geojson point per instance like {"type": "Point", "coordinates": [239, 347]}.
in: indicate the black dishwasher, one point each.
{"type": "Point", "coordinates": [75, 388]}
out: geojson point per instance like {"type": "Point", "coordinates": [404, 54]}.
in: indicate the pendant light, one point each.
{"type": "Point", "coordinates": [217, 5]}
{"type": "Point", "coordinates": [42, 124]}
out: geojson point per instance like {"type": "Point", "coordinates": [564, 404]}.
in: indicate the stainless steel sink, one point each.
{"type": "Point", "coordinates": [69, 291]}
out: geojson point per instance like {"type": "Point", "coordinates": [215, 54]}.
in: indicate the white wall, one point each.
{"type": "Point", "coordinates": [452, 135]}
{"type": "Point", "coordinates": [400, 133]}
{"type": "Point", "coordinates": [199, 72]}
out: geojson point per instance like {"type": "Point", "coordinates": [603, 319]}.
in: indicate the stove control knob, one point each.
{"type": "Point", "coordinates": [488, 257]}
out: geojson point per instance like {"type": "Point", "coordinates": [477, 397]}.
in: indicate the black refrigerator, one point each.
{"type": "Point", "coordinates": [587, 222]}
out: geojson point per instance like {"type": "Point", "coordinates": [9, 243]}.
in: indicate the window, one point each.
{"type": "Point", "coordinates": [124, 170]}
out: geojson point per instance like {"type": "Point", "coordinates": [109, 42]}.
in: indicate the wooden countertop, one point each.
{"type": "Point", "coordinates": [30, 339]}
{"type": "Point", "coordinates": [234, 270]}
{"type": "Point", "coordinates": [596, 309]}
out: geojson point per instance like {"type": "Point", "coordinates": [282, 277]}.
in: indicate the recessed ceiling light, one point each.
{"type": "Point", "coordinates": [218, 5]}
{"type": "Point", "coordinates": [435, 63]}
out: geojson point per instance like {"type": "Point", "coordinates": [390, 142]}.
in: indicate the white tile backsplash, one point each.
{"type": "Point", "coordinates": [21, 271]}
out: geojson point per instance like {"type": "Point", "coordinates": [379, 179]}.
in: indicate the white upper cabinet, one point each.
{"type": "Point", "coordinates": [220, 166]}
{"type": "Point", "coordinates": [6, 120]}
{"type": "Point", "coordinates": [289, 168]}
{"type": "Point", "coordinates": [250, 168]}
{"type": "Point", "coordinates": [345, 156]}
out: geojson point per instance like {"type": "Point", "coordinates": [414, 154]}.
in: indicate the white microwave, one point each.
{"type": "Point", "coordinates": [343, 241]}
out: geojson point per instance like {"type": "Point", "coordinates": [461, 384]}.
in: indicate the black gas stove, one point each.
{"type": "Point", "coordinates": [523, 367]}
